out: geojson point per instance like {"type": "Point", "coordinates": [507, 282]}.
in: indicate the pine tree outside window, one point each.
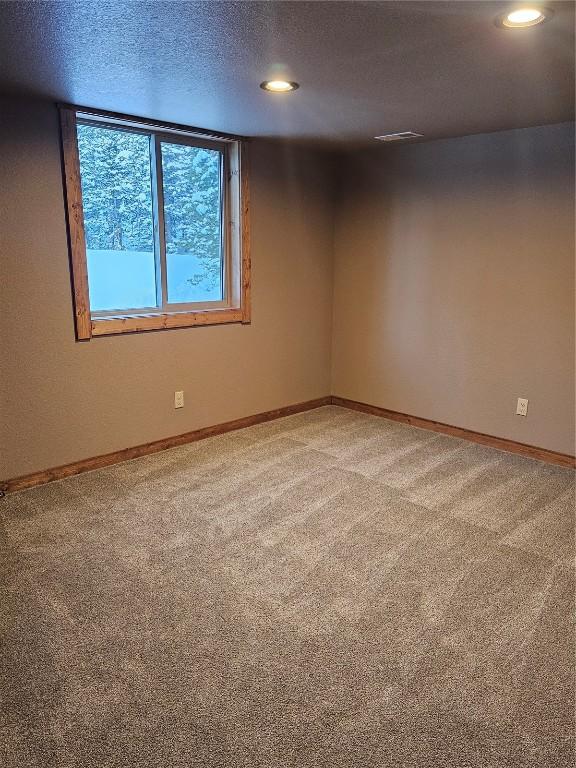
{"type": "Point", "coordinates": [158, 224]}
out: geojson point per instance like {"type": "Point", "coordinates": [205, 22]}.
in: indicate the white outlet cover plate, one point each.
{"type": "Point", "coordinates": [522, 407]}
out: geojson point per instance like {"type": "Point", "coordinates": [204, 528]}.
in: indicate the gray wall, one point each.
{"type": "Point", "coordinates": [452, 294]}
{"type": "Point", "coordinates": [61, 401]}
{"type": "Point", "coordinates": [454, 282]}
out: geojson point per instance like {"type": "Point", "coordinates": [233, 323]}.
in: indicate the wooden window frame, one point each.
{"type": "Point", "coordinates": [235, 308]}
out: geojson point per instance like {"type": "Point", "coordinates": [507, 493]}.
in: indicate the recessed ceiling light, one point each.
{"type": "Point", "coordinates": [278, 86]}
{"type": "Point", "coordinates": [519, 18]}
{"type": "Point", "coordinates": [399, 136]}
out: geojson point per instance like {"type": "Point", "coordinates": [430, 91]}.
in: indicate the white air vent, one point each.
{"type": "Point", "coordinates": [399, 136]}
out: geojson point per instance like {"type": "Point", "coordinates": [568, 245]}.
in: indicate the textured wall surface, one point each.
{"type": "Point", "coordinates": [61, 401]}
{"type": "Point", "coordinates": [454, 282]}
{"type": "Point", "coordinates": [453, 294]}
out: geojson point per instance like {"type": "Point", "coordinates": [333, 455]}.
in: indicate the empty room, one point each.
{"type": "Point", "coordinates": [287, 384]}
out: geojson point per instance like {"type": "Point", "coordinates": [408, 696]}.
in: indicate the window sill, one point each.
{"type": "Point", "coordinates": [107, 326]}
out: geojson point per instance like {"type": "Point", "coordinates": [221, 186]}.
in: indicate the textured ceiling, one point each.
{"type": "Point", "coordinates": [438, 68]}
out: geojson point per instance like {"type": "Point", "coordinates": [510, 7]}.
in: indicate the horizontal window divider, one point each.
{"type": "Point", "coordinates": [131, 121]}
{"type": "Point", "coordinates": [107, 326]}
{"type": "Point", "coordinates": [160, 312]}
{"type": "Point", "coordinates": [152, 311]}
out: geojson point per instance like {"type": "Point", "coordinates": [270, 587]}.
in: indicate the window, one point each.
{"type": "Point", "coordinates": [158, 224]}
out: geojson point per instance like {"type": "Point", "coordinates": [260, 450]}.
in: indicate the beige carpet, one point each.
{"type": "Point", "coordinates": [330, 589]}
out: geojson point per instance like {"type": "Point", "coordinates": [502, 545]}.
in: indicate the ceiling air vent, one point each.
{"type": "Point", "coordinates": [399, 136]}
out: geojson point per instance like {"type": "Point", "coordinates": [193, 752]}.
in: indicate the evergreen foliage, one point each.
{"type": "Point", "coordinates": [117, 196]}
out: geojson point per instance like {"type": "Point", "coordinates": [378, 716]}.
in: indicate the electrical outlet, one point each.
{"type": "Point", "coordinates": [522, 407]}
{"type": "Point", "coordinates": [178, 399]}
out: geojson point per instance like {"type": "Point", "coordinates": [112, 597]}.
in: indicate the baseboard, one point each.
{"type": "Point", "coordinates": [107, 459]}
{"type": "Point", "coordinates": [500, 443]}
{"type": "Point", "coordinates": [116, 457]}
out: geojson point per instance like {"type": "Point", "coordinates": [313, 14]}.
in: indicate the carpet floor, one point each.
{"type": "Point", "coordinates": [329, 589]}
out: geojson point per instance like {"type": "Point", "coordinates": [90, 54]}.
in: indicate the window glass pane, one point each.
{"type": "Point", "coordinates": [117, 201]}
{"type": "Point", "coordinates": [192, 197]}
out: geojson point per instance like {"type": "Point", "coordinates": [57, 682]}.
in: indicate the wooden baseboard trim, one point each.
{"type": "Point", "coordinates": [116, 457]}
{"type": "Point", "coordinates": [107, 459]}
{"type": "Point", "coordinates": [500, 443]}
